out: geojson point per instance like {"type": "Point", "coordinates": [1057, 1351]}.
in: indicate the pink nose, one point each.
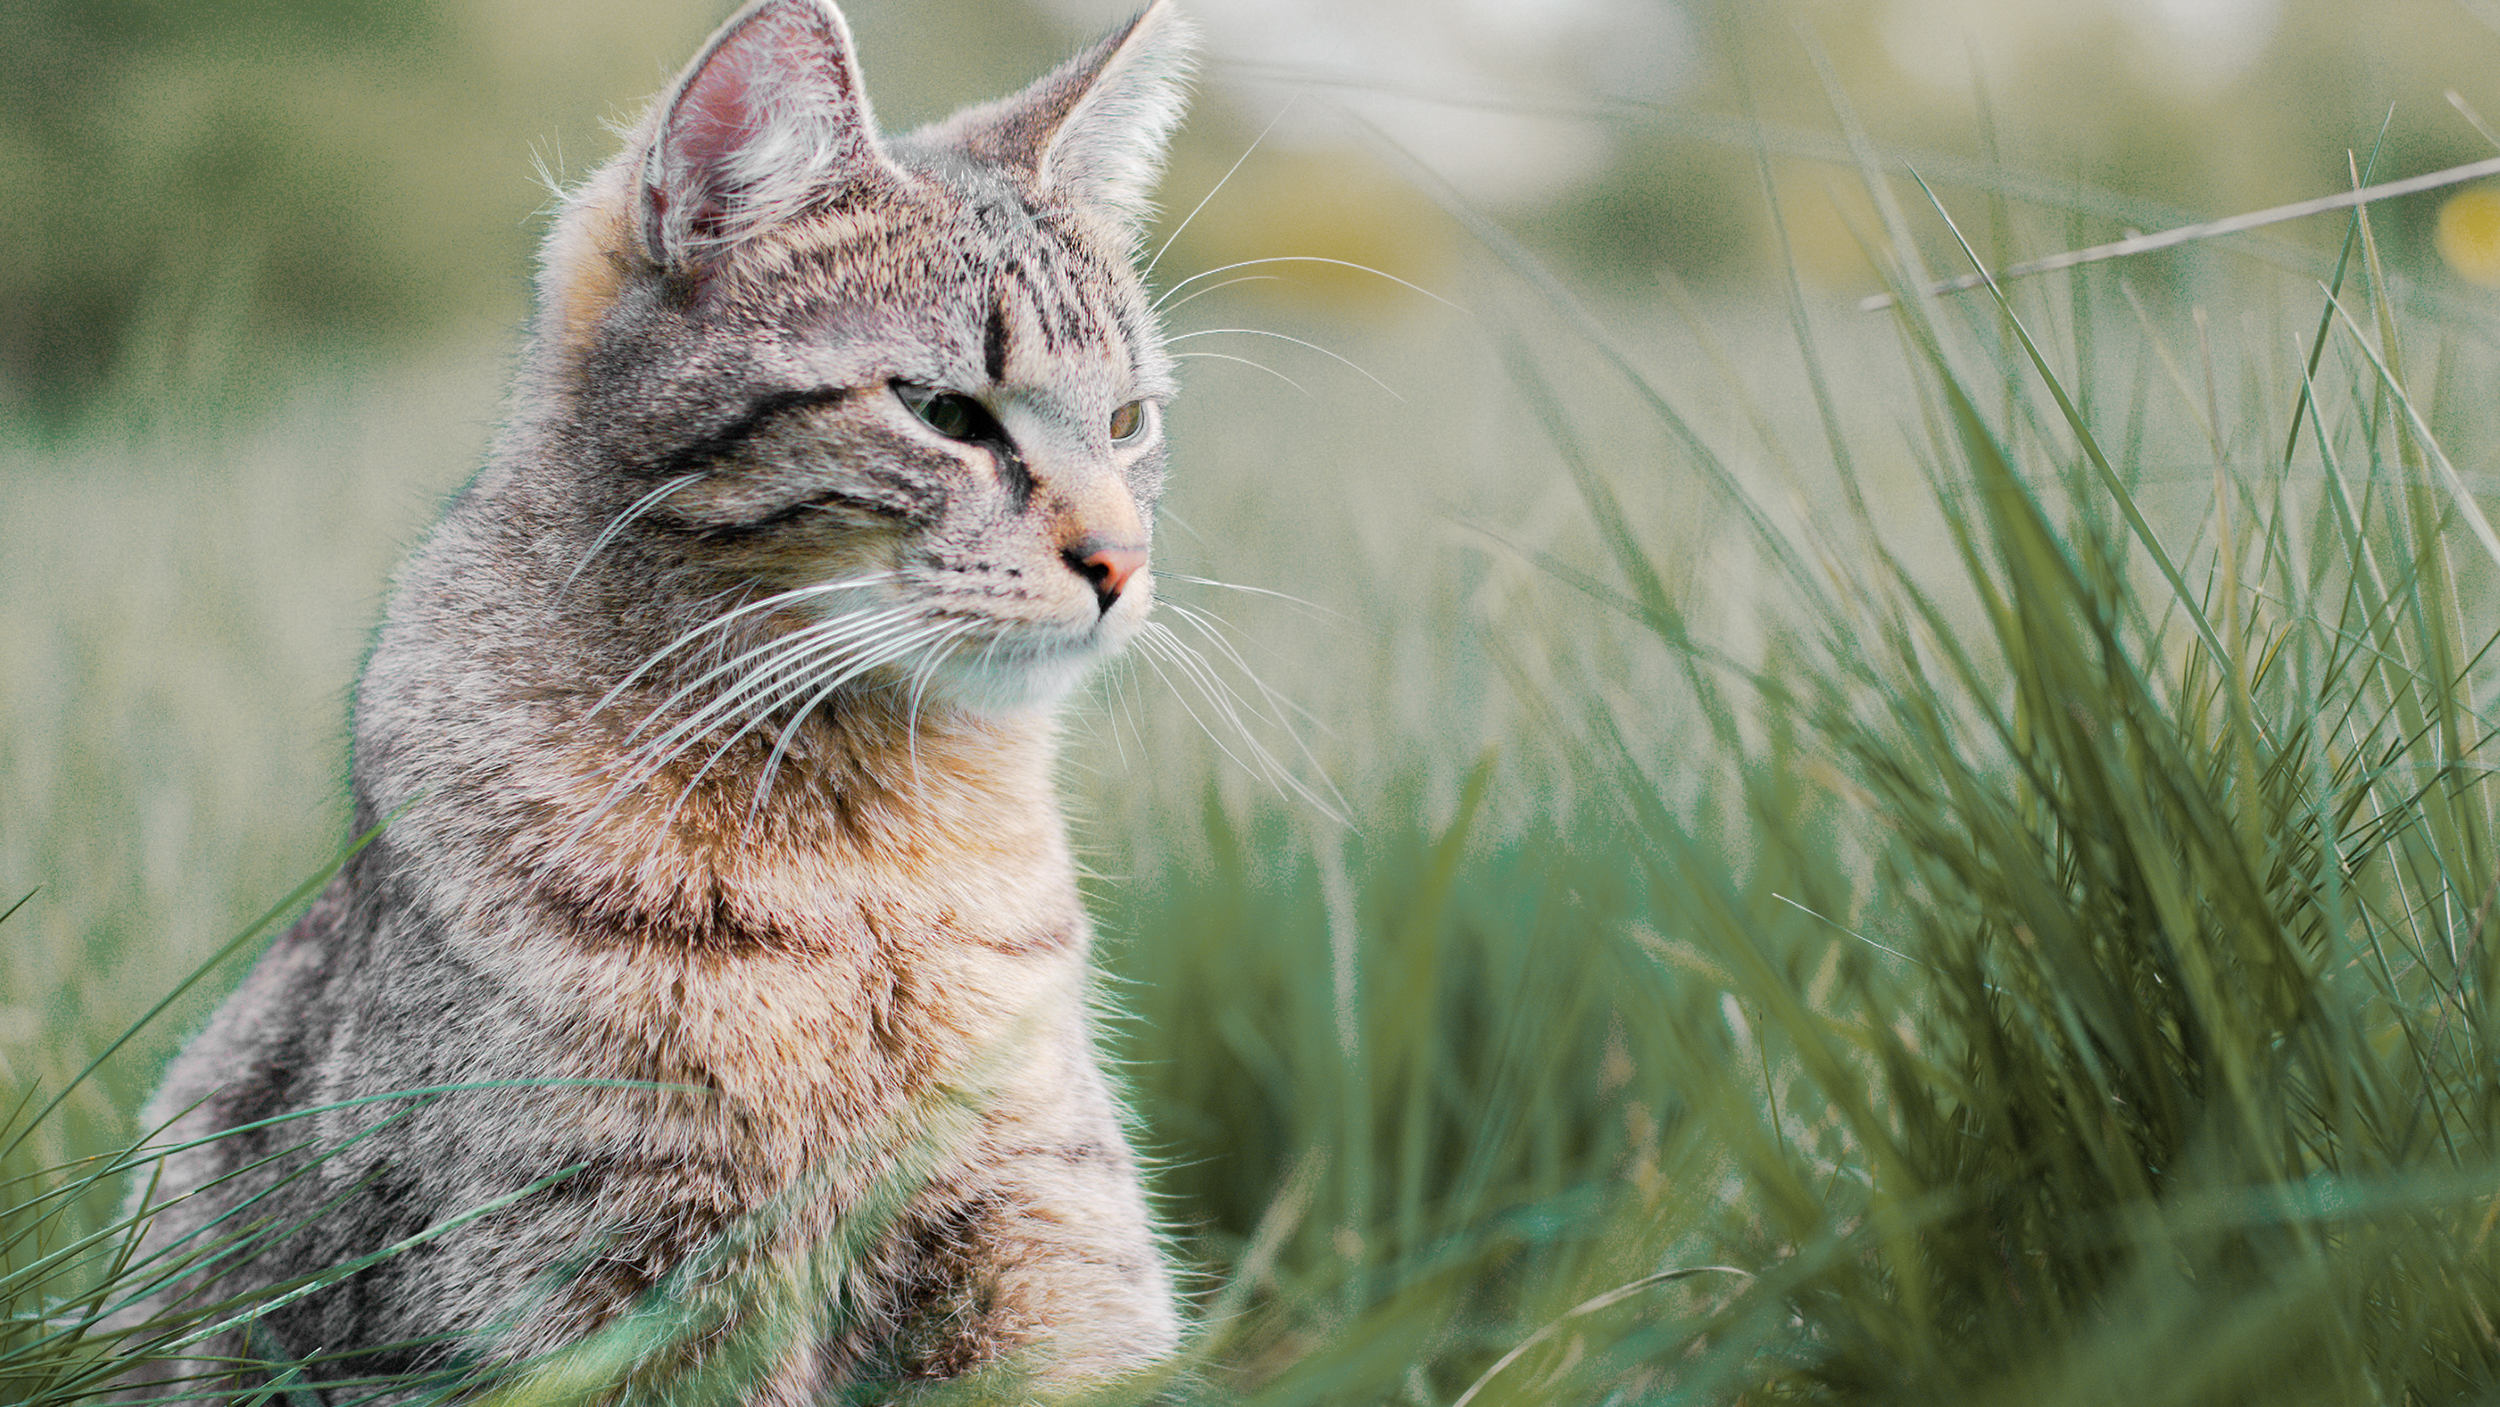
{"type": "Point", "coordinates": [1106, 565]}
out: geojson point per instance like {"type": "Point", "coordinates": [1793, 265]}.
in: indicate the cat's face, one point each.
{"type": "Point", "coordinates": [862, 414]}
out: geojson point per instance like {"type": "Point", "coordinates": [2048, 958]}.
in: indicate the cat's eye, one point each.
{"type": "Point", "coordinates": [1128, 422]}
{"type": "Point", "coordinates": [956, 416]}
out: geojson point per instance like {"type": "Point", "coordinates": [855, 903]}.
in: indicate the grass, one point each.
{"type": "Point", "coordinates": [1966, 875]}
{"type": "Point", "coordinates": [2072, 985]}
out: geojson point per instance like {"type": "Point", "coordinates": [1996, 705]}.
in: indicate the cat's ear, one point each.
{"type": "Point", "coordinates": [768, 122]}
{"type": "Point", "coordinates": [1094, 130]}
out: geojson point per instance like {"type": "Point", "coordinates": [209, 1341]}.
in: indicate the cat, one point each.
{"type": "Point", "coordinates": [720, 891]}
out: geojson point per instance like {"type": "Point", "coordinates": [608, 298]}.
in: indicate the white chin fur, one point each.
{"type": "Point", "coordinates": [1018, 676]}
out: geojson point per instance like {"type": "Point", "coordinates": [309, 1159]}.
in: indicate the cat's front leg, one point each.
{"type": "Point", "coordinates": [1038, 1269]}
{"type": "Point", "coordinates": [1076, 1258]}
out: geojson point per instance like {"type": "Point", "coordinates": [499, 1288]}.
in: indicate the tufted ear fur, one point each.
{"type": "Point", "coordinates": [768, 122]}
{"type": "Point", "coordinates": [1093, 131]}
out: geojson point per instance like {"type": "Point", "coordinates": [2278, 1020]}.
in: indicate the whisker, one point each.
{"type": "Point", "coordinates": [1217, 689]}
{"type": "Point", "coordinates": [1164, 513]}
{"type": "Point", "coordinates": [757, 663]}
{"type": "Point", "coordinates": [623, 520]}
{"type": "Point", "coordinates": [1133, 693]}
{"type": "Point", "coordinates": [989, 653]}
{"type": "Point", "coordinates": [932, 655]}
{"type": "Point", "coordinates": [1282, 337]}
{"type": "Point", "coordinates": [1285, 597]}
{"type": "Point", "coordinates": [1228, 703]}
{"type": "Point", "coordinates": [724, 621]}
{"type": "Point", "coordinates": [743, 593]}
{"type": "Point", "coordinates": [928, 642]}
{"type": "Point", "coordinates": [1245, 361]}
{"type": "Point", "coordinates": [1151, 649]}
{"type": "Point", "coordinates": [1122, 706]}
{"type": "Point", "coordinates": [1212, 627]}
{"type": "Point", "coordinates": [803, 657]}
{"type": "Point", "coordinates": [1307, 259]}
{"type": "Point", "coordinates": [1278, 705]}
{"type": "Point", "coordinates": [1210, 288]}
{"type": "Point", "coordinates": [1160, 644]}
{"type": "Point", "coordinates": [758, 688]}
{"type": "Point", "coordinates": [843, 669]}
{"type": "Point", "coordinates": [1166, 246]}
{"type": "Point", "coordinates": [716, 649]}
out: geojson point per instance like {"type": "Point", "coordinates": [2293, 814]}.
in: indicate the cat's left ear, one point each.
{"type": "Point", "coordinates": [1094, 130]}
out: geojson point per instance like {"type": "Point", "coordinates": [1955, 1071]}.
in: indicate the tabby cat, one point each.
{"type": "Point", "coordinates": [721, 893]}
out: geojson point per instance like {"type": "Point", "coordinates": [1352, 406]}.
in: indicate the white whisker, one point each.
{"type": "Point", "coordinates": [724, 621]}
{"type": "Point", "coordinates": [1151, 649]}
{"type": "Point", "coordinates": [1287, 598]}
{"type": "Point", "coordinates": [927, 642]}
{"type": "Point", "coordinates": [1299, 342]}
{"type": "Point", "coordinates": [1218, 693]}
{"type": "Point", "coordinates": [1133, 693]}
{"type": "Point", "coordinates": [624, 520]}
{"type": "Point", "coordinates": [759, 690]}
{"type": "Point", "coordinates": [1164, 513]}
{"type": "Point", "coordinates": [1307, 259]}
{"type": "Point", "coordinates": [931, 656]}
{"type": "Point", "coordinates": [1166, 246]}
{"type": "Point", "coordinates": [754, 667]}
{"type": "Point", "coordinates": [1213, 627]}
{"type": "Point", "coordinates": [808, 655]}
{"type": "Point", "coordinates": [1278, 705]}
{"type": "Point", "coordinates": [1160, 647]}
{"type": "Point", "coordinates": [1121, 705]}
{"type": "Point", "coordinates": [1210, 288]}
{"type": "Point", "coordinates": [832, 675]}
{"type": "Point", "coordinates": [1245, 361]}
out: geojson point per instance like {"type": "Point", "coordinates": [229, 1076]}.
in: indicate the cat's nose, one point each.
{"type": "Point", "coordinates": [1106, 565]}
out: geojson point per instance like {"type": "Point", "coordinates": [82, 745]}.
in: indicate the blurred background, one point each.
{"type": "Point", "coordinates": [270, 261]}
{"type": "Point", "coordinates": [202, 188]}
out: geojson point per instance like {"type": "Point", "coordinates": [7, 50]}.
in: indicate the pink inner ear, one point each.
{"type": "Point", "coordinates": [712, 121]}
{"type": "Point", "coordinates": [772, 59]}
{"type": "Point", "coordinates": [771, 124]}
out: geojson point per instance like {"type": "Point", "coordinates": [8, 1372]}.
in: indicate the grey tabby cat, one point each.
{"type": "Point", "coordinates": [714, 730]}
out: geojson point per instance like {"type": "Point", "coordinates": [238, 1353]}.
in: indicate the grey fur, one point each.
{"type": "Point", "coordinates": [715, 726]}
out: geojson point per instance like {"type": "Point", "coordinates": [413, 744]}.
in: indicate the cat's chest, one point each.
{"type": "Point", "coordinates": [804, 1014]}
{"type": "Point", "coordinates": [813, 967]}
{"type": "Point", "coordinates": [732, 951]}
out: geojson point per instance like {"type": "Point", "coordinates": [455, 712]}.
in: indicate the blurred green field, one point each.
{"type": "Point", "coordinates": [1868, 867]}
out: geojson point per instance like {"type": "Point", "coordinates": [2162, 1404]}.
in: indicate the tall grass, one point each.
{"type": "Point", "coordinates": [1992, 907]}
{"type": "Point", "coordinates": [2072, 986]}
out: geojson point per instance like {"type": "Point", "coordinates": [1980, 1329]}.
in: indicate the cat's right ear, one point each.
{"type": "Point", "coordinates": [768, 122]}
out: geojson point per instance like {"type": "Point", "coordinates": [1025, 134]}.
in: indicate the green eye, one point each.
{"type": "Point", "coordinates": [1128, 422]}
{"type": "Point", "coordinates": [957, 417]}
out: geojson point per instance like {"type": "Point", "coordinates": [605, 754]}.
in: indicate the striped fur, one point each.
{"type": "Point", "coordinates": [714, 726]}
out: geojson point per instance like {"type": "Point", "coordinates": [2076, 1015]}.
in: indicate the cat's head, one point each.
{"type": "Point", "coordinates": [874, 410]}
